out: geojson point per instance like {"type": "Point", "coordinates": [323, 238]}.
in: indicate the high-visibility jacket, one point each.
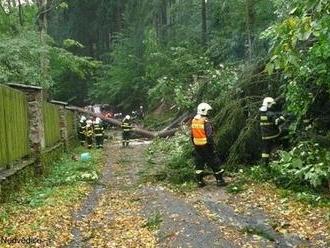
{"type": "Point", "coordinates": [198, 131]}
{"type": "Point", "coordinates": [126, 125]}
{"type": "Point", "coordinates": [98, 130]}
{"type": "Point", "coordinates": [269, 130]}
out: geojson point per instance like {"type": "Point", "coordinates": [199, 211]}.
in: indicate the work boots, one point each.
{"type": "Point", "coordinates": [200, 181]}
{"type": "Point", "coordinates": [219, 177]}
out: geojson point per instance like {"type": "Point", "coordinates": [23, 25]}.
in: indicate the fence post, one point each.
{"type": "Point", "coordinates": [35, 96]}
{"type": "Point", "coordinates": [63, 123]}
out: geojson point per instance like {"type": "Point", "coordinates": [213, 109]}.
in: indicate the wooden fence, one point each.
{"type": "Point", "coordinates": [51, 119]}
{"type": "Point", "coordinates": [14, 126]}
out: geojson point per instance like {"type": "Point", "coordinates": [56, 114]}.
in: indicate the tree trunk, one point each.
{"type": "Point", "coordinates": [250, 21]}
{"type": "Point", "coordinates": [204, 27]}
{"type": "Point", "coordinates": [20, 13]}
{"type": "Point", "coordinates": [42, 25]}
{"type": "Point", "coordinates": [140, 131]}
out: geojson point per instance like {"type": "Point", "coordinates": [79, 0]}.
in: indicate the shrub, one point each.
{"type": "Point", "coordinates": [178, 165]}
{"type": "Point", "coordinates": [306, 163]}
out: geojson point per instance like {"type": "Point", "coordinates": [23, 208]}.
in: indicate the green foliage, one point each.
{"type": "Point", "coordinates": [178, 165]}
{"type": "Point", "coordinates": [65, 172]}
{"type": "Point", "coordinates": [305, 163]}
{"type": "Point", "coordinates": [22, 52]}
{"type": "Point", "coordinates": [301, 49]}
{"type": "Point", "coordinates": [20, 62]}
{"type": "Point", "coordinates": [51, 118]}
{"type": "Point", "coordinates": [14, 125]}
{"type": "Point", "coordinates": [158, 121]}
{"type": "Point", "coordinates": [9, 18]}
{"type": "Point", "coordinates": [228, 28]}
{"type": "Point", "coordinates": [295, 190]}
{"type": "Point", "coordinates": [20, 59]}
{"type": "Point", "coordinates": [184, 76]}
{"type": "Point", "coordinates": [154, 221]}
{"type": "Point", "coordinates": [155, 49]}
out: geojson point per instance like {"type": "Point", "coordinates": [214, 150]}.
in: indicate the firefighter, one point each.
{"type": "Point", "coordinates": [98, 133]}
{"type": "Point", "coordinates": [81, 130]}
{"type": "Point", "coordinates": [202, 138]}
{"type": "Point", "coordinates": [89, 133]}
{"type": "Point", "coordinates": [140, 113]}
{"type": "Point", "coordinates": [126, 126]}
{"type": "Point", "coordinates": [269, 125]}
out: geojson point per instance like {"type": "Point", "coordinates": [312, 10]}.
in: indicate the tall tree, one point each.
{"type": "Point", "coordinates": [204, 24]}
{"type": "Point", "coordinates": [250, 23]}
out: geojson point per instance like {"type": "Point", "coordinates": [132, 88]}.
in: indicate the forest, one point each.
{"type": "Point", "coordinates": [171, 55]}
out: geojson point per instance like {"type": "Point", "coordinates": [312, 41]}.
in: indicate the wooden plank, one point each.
{"type": "Point", "coordinates": [3, 157]}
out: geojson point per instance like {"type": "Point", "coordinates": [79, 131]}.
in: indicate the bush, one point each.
{"type": "Point", "coordinates": [306, 163]}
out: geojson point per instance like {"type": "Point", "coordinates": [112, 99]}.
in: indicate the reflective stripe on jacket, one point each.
{"type": "Point", "coordinates": [267, 124]}
{"type": "Point", "coordinates": [98, 130]}
{"type": "Point", "coordinates": [82, 127]}
{"type": "Point", "coordinates": [126, 126]}
{"type": "Point", "coordinates": [198, 131]}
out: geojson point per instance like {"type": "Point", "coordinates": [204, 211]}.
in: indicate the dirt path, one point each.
{"type": "Point", "coordinates": [122, 211]}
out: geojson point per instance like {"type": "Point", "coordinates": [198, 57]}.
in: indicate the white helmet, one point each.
{"type": "Point", "coordinates": [97, 120]}
{"type": "Point", "coordinates": [127, 117]}
{"type": "Point", "coordinates": [203, 108]}
{"type": "Point", "coordinates": [268, 102]}
{"type": "Point", "coordinates": [89, 122]}
{"type": "Point", "coordinates": [82, 118]}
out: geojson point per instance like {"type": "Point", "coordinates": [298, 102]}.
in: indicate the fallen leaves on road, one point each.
{"type": "Point", "coordinates": [287, 215]}
{"type": "Point", "coordinates": [49, 224]}
{"type": "Point", "coordinates": [116, 223]}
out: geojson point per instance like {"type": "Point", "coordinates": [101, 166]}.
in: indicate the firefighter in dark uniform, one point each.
{"type": "Point", "coordinates": [81, 130]}
{"type": "Point", "coordinates": [269, 125]}
{"type": "Point", "coordinates": [140, 113]}
{"type": "Point", "coordinates": [126, 126]}
{"type": "Point", "coordinates": [89, 133]}
{"type": "Point", "coordinates": [202, 138]}
{"type": "Point", "coordinates": [98, 133]}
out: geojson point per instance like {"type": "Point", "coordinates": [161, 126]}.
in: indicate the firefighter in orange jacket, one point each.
{"type": "Point", "coordinates": [202, 138]}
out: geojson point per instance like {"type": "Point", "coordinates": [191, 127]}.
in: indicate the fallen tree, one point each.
{"type": "Point", "coordinates": [143, 132]}
{"type": "Point", "coordinates": [178, 121]}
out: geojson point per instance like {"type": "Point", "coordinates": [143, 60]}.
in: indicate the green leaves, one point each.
{"type": "Point", "coordinates": [301, 51]}
{"type": "Point", "coordinates": [68, 43]}
{"type": "Point", "coordinates": [305, 163]}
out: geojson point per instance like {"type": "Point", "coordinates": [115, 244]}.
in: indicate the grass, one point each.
{"type": "Point", "coordinates": [68, 171]}
{"type": "Point", "coordinates": [44, 204]}
{"type": "Point", "coordinates": [154, 221]}
{"type": "Point", "coordinates": [236, 186]}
